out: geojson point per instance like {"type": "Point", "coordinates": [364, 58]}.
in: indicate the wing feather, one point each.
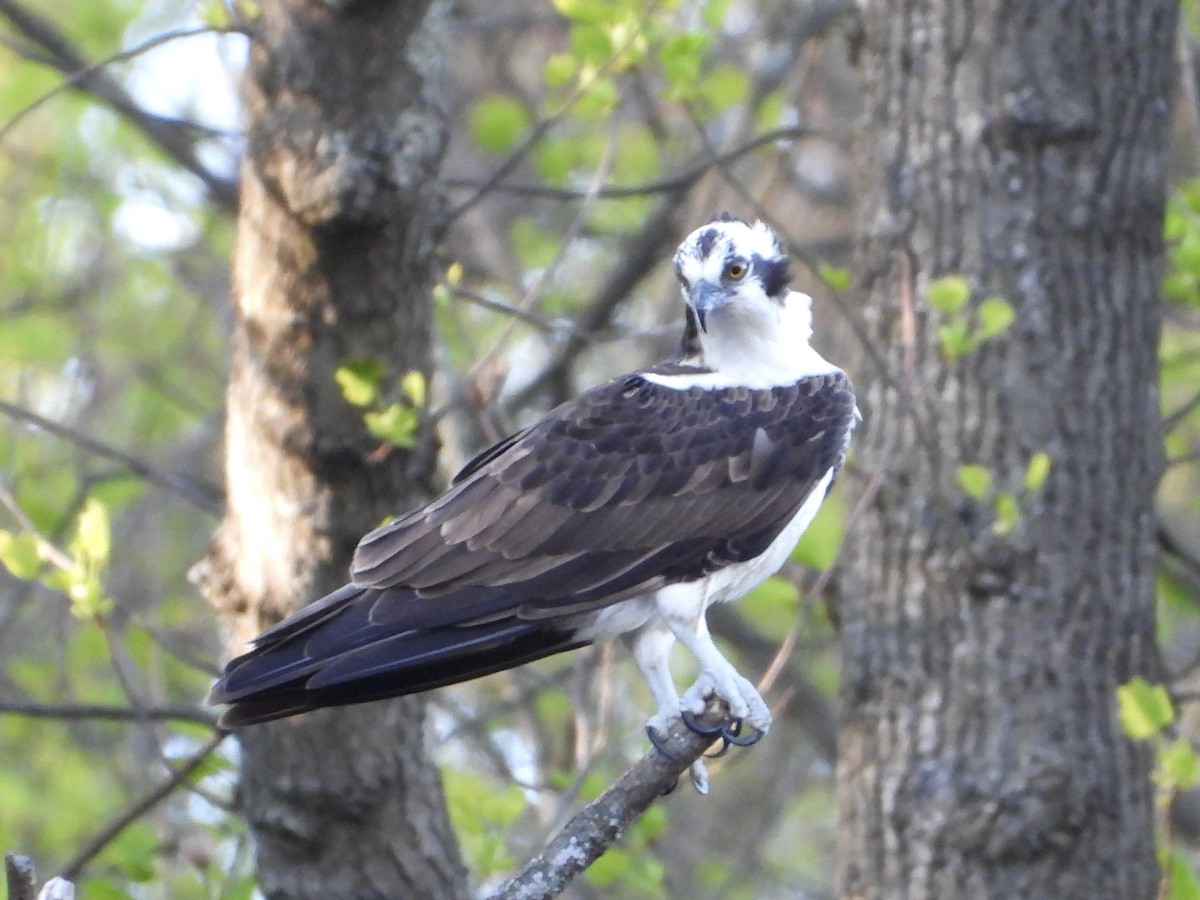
{"type": "Point", "coordinates": [594, 492]}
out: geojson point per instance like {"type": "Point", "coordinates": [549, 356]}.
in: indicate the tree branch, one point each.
{"type": "Point", "coordinates": [174, 137]}
{"type": "Point", "coordinates": [22, 881]}
{"type": "Point", "coordinates": [141, 806]}
{"type": "Point", "coordinates": [206, 496]}
{"type": "Point", "coordinates": [68, 711]}
{"type": "Point", "coordinates": [683, 180]}
{"type": "Point", "coordinates": [602, 822]}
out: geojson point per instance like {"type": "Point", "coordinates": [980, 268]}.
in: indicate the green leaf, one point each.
{"type": "Point", "coordinates": [554, 159]}
{"type": "Point", "coordinates": [87, 595]}
{"type": "Point", "coordinates": [681, 58]}
{"type": "Point", "coordinates": [949, 293]}
{"type": "Point", "coordinates": [1037, 471]}
{"type": "Point", "coordinates": [598, 101]}
{"type": "Point", "coordinates": [397, 424]}
{"type": "Point", "coordinates": [559, 69]}
{"type": "Point", "coordinates": [1184, 885]}
{"type": "Point", "coordinates": [413, 386]}
{"type": "Point", "coordinates": [93, 537]}
{"type": "Point", "coordinates": [724, 86]}
{"type": "Point", "coordinates": [592, 11]}
{"type": "Point", "coordinates": [955, 341]}
{"type": "Point", "coordinates": [1008, 511]}
{"type": "Point", "coordinates": [714, 12]}
{"type": "Point", "coordinates": [497, 121]}
{"type": "Point", "coordinates": [19, 554]}
{"type": "Point", "coordinates": [995, 316]}
{"type": "Point", "coordinates": [974, 479]}
{"type": "Point", "coordinates": [359, 381]}
{"type": "Point", "coordinates": [835, 276]}
{"type": "Point", "coordinates": [591, 46]}
{"type": "Point", "coordinates": [1144, 708]}
{"type": "Point", "coordinates": [1179, 765]}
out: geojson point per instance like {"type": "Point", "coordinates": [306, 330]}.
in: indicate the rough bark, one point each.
{"type": "Point", "coordinates": [1020, 144]}
{"type": "Point", "coordinates": [333, 263]}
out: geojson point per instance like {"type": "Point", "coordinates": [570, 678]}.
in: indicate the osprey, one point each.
{"type": "Point", "coordinates": [626, 511]}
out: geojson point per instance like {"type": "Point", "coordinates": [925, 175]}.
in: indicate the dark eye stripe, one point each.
{"type": "Point", "coordinates": [773, 273]}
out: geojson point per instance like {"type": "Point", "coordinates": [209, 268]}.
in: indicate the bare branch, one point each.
{"type": "Point", "coordinates": [174, 137]}
{"type": "Point", "coordinates": [141, 806]}
{"type": "Point", "coordinates": [638, 255]}
{"type": "Point", "coordinates": [602, 822]}
{"type": "Point", "coordinates": [71, 711]}
{"type": "Point", "coordinates": [684, 179]}
{"type": "Point", "coordinates": [205, 496]}
{"type": "Point", "coordinates": [20, 876]}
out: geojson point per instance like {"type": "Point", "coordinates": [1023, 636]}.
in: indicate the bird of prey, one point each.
{"type": "Point", "coordinates": [626, 511]}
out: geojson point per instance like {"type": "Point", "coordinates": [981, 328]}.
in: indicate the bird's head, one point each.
{"type": "Point", "coordinates": [734, 276]}
{"type": "Point", "coordinates": [732, 268]}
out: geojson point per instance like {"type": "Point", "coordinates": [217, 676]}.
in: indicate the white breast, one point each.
{"type": "Point", "coordinates": [736, 580]}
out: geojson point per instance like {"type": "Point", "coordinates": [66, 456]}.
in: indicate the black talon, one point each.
{"type": "Point", "coordinates": [694, 725]}
{"type": "Point", "coordinates": [732, 735]}
{"type": "Point", "coordinates": [660, 745]}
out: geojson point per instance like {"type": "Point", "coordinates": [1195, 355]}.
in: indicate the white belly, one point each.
{"type": "Point", "coordinates": [690, 599]}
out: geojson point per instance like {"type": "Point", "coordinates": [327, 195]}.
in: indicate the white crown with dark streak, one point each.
{"type": "Point", "coordinates": [747, 326]}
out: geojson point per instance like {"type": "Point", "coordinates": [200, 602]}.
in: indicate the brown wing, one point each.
{"type": "Point", "coordinates": [631, 485]}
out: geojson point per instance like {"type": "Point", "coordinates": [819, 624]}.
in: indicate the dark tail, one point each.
{"type": "Point", "coordinates": [332, 654]}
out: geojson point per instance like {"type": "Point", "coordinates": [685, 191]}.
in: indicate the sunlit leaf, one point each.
{"type": "Point", "coordinates": [1179, 764]}
{"type": "Point", "coordinates": [1007, 510]}
{"type": "Point", "coordinates": [413, 386]}
{"type": "Point", "coordinates": [1184, 884]}
{"type": "Point", "coordinates": [949, 294]}
{"type": "Point", "coordinates": [724, 86]}
{"type": "Point", "coordinates": [974, 480]}
{"type": "Point", "coordinates": [1144, 708]}
{"type": "Point", "coordinates": [954, 339]}
{"type": "Point", "coordinates": [497, 121]}
{"type": "Point", "coordinates": [396, 424]}
{"type": "Point", "coordinates": [995, 316]}
{"type": "Point", "coordinates": [1037, 471]}
{"type": "Point", "coordinates": [559, 69]}
{"type": "Point", "coordinates": [359, 381]}
{"type": "Point", "coordinates": [19, 554]}
{"type": "Point", "coordinates": [93, 536]}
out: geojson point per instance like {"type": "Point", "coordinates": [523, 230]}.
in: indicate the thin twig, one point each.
{"type": "Point", "coordinates": [173, 136]}
{"type": "Point", "coordinates": [76, 711]}
{"type": "Point", "coordinates": [141, 806]}
{"type": "Point", "coordinates": [204, 495]}
{"type": "Point", "coordinates": [684, 179]}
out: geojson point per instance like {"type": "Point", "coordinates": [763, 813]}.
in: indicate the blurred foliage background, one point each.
{"type": "Point", "coordinates": [587, 137]}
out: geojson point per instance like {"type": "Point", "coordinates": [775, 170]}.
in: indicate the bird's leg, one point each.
{"type": "Point", "coordinates": [651, 648]}
{"type": "Point", "coordinates": [719, 678]}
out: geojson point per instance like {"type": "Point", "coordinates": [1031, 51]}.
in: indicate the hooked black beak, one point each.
{"type": "Point", "coordinates": [704, 299]}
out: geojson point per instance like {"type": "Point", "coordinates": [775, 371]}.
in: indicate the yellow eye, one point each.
{"type": "Point", "coordinates": [735, 271]}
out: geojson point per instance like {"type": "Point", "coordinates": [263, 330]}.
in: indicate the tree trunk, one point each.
{"type": "Point", "coordinates": [1021, 144]}
{"type": "Point", "coordinates": [333, 264]}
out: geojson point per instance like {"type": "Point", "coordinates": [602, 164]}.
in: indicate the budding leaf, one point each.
{"type": "Point", "coordinates": [1144, 708]}
{"type": "Point", "coordinates": [949, 293]}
